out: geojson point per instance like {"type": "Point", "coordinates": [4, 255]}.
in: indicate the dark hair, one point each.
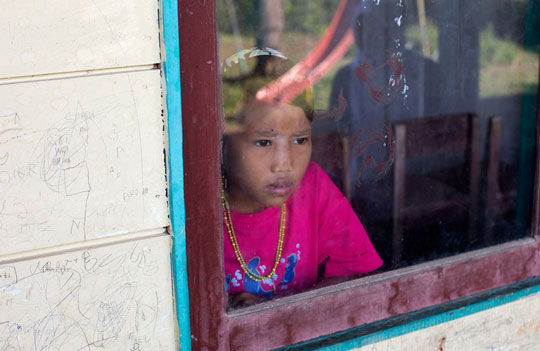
{"type": "Point", "coordinates": [234, 105]}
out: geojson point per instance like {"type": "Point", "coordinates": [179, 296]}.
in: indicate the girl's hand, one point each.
{"type": "Point", "coordinates": [244, 299]}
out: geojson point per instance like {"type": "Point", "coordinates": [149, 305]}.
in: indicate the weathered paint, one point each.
{"type": "Point", "coordinates": [198, 69]}
{"type": "Point", "coordinates": [341, 307]}
{"type": "Point", "coordinates": [309, 315]}
{"type": "Point", "coordinates": [399, 326]}
{"type": "Point", "coordinates": [509, 322]}
{"type": "Point", "coordinates": [171, 67]}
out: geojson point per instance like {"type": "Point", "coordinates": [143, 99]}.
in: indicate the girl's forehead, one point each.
{"type": "Point", "coordinates": [260, 115]}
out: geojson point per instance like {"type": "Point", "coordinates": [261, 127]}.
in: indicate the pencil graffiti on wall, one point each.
{"type": "Point", "coordinates": [97, 298]}
{"type": "Point", "coordinates": [74, 165]}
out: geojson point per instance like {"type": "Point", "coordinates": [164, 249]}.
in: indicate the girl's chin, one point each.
{"type": "Point", "coordinates": [276, 201]}
{"type": "Point", "coordinates": [258, 204]}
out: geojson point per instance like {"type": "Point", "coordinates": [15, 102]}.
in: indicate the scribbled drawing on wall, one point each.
{"type": "Point", "coordinates": [76, 167]}
{"type": "Point", "coordinates": [109, 298]}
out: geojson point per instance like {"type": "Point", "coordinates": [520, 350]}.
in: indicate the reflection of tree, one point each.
{"type": "Point", "coordinates": [268, 34]}
{"type": "Point", "coordinates": [265, 20]}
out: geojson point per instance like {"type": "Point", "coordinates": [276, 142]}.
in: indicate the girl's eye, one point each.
{"type": "Point", "coordinates": [263, 143]}
{"type": "Point", "coordinates": [301, 141]}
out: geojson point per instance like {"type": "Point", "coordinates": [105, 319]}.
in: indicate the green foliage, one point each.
{"type": "Point", "coordinates": [414, 40]}
{"type": "Point", "coordinates": [305, 16]}
{"type": "Point", "coordinates": [494, 50]}
{"type": "Point", "coordinates": [503, 64]}
{"type": "Point", "coordinates": [246, 15]}
{"type": "Point", "coordinates": [308, 16]}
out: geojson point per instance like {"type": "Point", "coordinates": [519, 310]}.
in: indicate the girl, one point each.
{"type": "Point", "coordinates": [286, 225]}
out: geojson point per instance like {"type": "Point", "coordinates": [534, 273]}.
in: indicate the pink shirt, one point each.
{"type": "Point", "coordinates": [321, 226]}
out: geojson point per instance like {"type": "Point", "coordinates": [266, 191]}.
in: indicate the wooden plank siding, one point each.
{"type": "Point", "coordinates": [77, 35]}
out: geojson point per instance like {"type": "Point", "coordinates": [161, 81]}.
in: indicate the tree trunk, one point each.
{"type": "Point", "coordinates": [271, 22]}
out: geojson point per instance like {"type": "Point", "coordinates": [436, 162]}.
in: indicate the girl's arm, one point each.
{"type": "Point", "coordinates": [344, 246]}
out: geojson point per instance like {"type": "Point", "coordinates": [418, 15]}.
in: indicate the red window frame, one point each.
{"type": "Point", "coordinates": [324, 311]}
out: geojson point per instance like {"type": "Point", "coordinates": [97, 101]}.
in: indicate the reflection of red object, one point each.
{"type": "Point", "coordinates": [362, 71]}
{"type": "Point", "coordinates": [395, 64]}
{"type": "Point", "coordinates": [336, 112]}
{"type": "Point", "coordinates": [331, 48]}
{"type": "Point", "coordinates": [385, 94]}
{"type": "Point", "coordinates": [381, 134]}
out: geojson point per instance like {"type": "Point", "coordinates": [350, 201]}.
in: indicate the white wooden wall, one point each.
{"type": "Point", "coordinates": [84, 256]}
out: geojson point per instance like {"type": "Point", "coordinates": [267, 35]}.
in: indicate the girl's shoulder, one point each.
{"type": "Point", "coordinates": [315, 175]}
{"type": "Point", "coordinates": [315, 184]}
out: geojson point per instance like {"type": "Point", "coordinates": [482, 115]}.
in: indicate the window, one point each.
{"type": "Point", "coordinates": [463, 49]}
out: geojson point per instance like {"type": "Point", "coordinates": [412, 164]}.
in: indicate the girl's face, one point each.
{"type": "Point", "coordinates": [267, 159]}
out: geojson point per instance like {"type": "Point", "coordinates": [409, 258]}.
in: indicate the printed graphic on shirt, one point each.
{"type": "Point", "coordinates": [253, 286]}
{"type": "Point", "coordinates": [268, 286]}
{"type": "Point", "coordinates": [289, 272]}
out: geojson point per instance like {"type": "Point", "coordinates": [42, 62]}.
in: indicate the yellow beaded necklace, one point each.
{"type": "Point", "coordinates": [230, 230]}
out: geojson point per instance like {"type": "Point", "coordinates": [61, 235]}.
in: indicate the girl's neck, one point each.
{"type": "Point", "coordinates": [241, 204]}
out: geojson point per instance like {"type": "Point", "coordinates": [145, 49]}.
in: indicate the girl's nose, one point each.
{"type": "Point", "coordinates": [282, 160]}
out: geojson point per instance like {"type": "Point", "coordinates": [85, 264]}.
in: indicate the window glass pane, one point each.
{"type": "Point", "coordinates": [422, 113]}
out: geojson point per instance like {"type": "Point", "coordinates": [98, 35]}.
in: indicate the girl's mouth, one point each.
{"type": "Point", "coordinates": [281, 187]}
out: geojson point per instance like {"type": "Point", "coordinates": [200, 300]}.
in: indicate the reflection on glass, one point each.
{"type": "Point", "coordinates": [423, 112]}
{"type": "Point", "coordinates": [287, 226]}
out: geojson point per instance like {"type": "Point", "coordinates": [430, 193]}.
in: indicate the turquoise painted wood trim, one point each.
{"type": "Point", "coordinates": [171, 65]}
{"type": "Point", "coordinates": [432, 321]}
